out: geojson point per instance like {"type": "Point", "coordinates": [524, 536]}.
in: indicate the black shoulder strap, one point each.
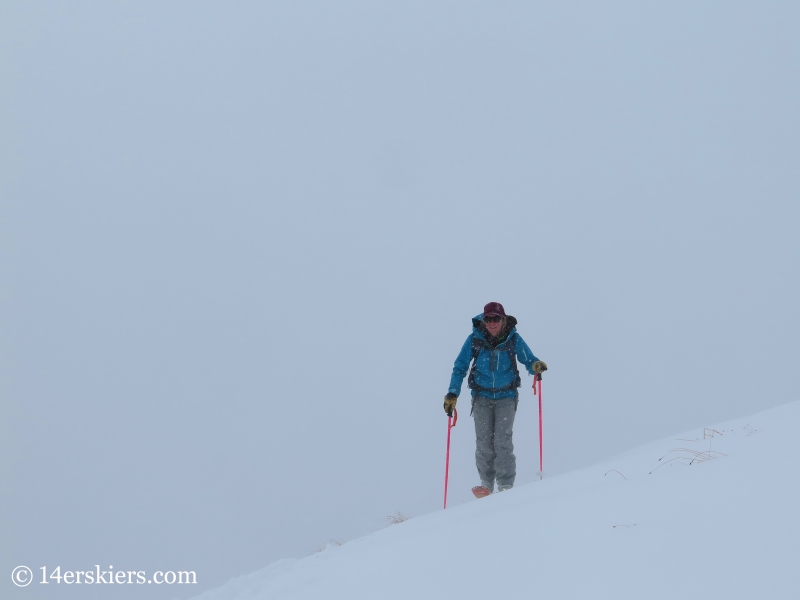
{"type": "Point", "coordinates": [511, 348]}
{"type": "Point", "coordinates": [477, 345]}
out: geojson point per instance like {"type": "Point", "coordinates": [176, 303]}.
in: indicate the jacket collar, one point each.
{"type": "Point", "coordinates": [479, 329]}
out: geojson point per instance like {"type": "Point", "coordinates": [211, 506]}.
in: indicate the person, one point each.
{"type": "Point", "coordinates": [493, 347]}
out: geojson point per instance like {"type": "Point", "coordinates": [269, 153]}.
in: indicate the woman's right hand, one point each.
{"type": "Point", "coordinates": [450, 403]}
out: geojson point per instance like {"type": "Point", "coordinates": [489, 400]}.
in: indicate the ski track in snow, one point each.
{"type": "Point", "coordinates": [714, 518]}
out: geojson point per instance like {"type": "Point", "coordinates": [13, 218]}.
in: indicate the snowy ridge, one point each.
{"type": "Point", "coordinates": [712, 513]}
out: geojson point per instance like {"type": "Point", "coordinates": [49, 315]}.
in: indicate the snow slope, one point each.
{"type": "Point", "coordinates": [723, 526]}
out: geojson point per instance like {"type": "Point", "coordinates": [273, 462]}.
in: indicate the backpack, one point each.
{"type": "Point", "coordinates": [479, 344]}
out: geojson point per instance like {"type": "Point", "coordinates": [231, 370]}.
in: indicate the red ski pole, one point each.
{"type": "Point", "coordinates": [451, 422]}
{"type": "Point", "coordinates": [538, 377]}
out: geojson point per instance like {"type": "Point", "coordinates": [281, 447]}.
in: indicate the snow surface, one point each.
{"type": "Point", "coordinates": [651, 523]}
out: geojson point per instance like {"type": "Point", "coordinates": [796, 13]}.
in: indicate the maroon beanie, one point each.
{"type": "Point", "coordinates": [494, 308]}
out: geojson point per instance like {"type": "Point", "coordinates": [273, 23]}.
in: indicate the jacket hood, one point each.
{"type": "Point", "coordinates": [479, 328]}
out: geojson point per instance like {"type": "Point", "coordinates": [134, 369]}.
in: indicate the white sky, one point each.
{"type": "Point", "coordinates": [241, 245]}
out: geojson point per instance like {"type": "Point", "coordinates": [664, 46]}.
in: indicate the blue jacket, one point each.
{"type": "Point", "coordinates": [494, 368]}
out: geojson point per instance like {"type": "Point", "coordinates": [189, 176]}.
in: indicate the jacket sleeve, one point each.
{"type": "Point", "coordinates": [461, 367]}
{"type": "Point", "coordinates": [524, 354]}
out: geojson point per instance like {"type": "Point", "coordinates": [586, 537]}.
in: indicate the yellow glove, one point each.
{"type": "Point", "coordinates": [539, 367]}
{"type": "Point", "coordinates": [450, 403]}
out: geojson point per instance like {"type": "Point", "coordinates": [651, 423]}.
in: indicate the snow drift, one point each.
{"type": "Point", "coordinates": [711, 513]}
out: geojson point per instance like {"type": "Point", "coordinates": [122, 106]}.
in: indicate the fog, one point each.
{"type": "Point", "coordinates": [241, 245]}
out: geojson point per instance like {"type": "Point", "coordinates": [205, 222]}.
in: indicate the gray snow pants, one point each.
{"type": "Point", "coordinates": [494, 450]}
